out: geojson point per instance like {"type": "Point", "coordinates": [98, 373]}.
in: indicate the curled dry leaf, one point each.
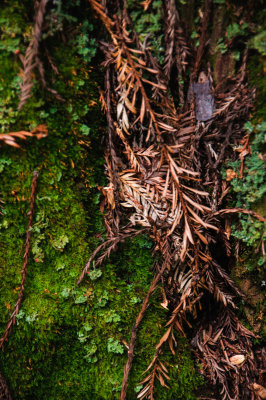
{"type": "Point", "coordinates": [259, 390]}
{"type": "Point", "coordinates": [39, 132]}
{"type": "Point", "coordinates": [109, 192]}
{"type": "Point", "coordinates": [237, 359]}
{"type": "Point", "coordinates": [230, 174]}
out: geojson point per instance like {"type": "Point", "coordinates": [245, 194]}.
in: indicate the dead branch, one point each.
{"type": "Point", "coordinates": [29, 61]}
{"type": "Point", "coordinates": [26, 256]}
{"type": "Point", "coordinates": [134, 330]}
{"type": "Point", "coordinates": [39, 132]}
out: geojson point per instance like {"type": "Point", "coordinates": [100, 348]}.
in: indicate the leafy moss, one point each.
{"type": "Point", "coordinates": [148, 25]}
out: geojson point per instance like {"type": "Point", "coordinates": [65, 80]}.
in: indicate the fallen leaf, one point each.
{"type": "Point", "coordinates": [237, 359]}
{"type": "Point", "coordinates": [230, 174]}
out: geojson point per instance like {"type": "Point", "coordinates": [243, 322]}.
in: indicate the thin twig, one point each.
{"type": "Point", "coordinates": [202, 42]}
{"type": "Point", "coordinates": [241, 211]}
{"type": "Point", "coordinates": [134, 330]}
{"type": "Point", "coordinates": [110, 244]}
{"type": "Point", "coordinates": [26, 256]}
{"type": "Point", "coordinates": [29, 61]}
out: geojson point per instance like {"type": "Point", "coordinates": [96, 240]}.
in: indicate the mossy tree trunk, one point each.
{"type": "Point", "coordinates": [69, 341]}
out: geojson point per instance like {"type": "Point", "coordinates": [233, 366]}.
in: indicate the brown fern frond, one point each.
{"type": "Point", "coordinates": [39, 132]}
{"type": "Point", "coordinates": [108, 246]}
{"type": "Point", "coordinates": [29, 61]}
{"type": "Point", "coordinates": [166, 161]}
{"type": "Point", "coordinates": [158, 372]}
{"type": "Point", "coordinates": [176, 48]}
{"type": "Point", "coordinates": [219, 344]}
{"type": "Point", "coordinates": [134, 330]}
{"type": "Point", "coordinates": [202, 41]}
{"type": "Point", "coordinates": [172, 19]}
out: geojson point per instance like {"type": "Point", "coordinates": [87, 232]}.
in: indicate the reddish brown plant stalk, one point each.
{"type": "Point", "coordinates": [29, 61]}
{"type": "Point", "coordinates": [134, 330]}
{"type": "Point", "coordinates": [26, 256]}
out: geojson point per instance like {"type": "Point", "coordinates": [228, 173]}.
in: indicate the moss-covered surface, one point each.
{"type": "Point", "coordinates": [249, 192]}
{"type": "Point", "coordinates": [69, 341]}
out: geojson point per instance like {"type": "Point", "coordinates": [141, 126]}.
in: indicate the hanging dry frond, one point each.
{"type": "Point", "coordinates": [29, 61]}
{"type": "Point", "coordinates": [176, 48]}
{"type": "Point", "coordinates": [158, 183]}
{"type": "Point", "coordinates": [158, 372]}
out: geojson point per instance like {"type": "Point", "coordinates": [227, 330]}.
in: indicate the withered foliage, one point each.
{"type": "Point", "coordinates": [31, 60]}
{"type": "Point", "coordinates": [177, 52]}
{"type": "Point", "coordinates": [10, 138]}
{"type": "Point", "coordinates": [164, 176]}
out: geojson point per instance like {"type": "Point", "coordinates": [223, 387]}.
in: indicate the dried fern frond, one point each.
{"type": "Point", "coordinates": [176, 48]}
{"type": "Point", "coordinates": [29, 61]}
{"type": "Point", "coordinates": [158, 182]}
{"type": "Point", "coordinates": [107, 247]}
{"type": "Point", "coordinates": [39, 132]}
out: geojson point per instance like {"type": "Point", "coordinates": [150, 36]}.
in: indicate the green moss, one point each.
{"type": "Point", "coordinates": [148, 25]}
{"type": "Point", "coordinates": [249, 192]}
{"type": "Point", "coordinates": [256, 66]}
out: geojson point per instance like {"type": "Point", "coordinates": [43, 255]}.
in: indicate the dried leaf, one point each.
{"type": "Point", "coordinates": [259, 390]}
{"type": "Point", "coordinates": [230, 174]}
{"type": "Point", "coordinates": [143, 391]}
{"type": "Point", "coordinates": [202, 238]}
{"type": "Point", "coordinates": [164, 338]}
{"type": "Point", "coordinates": [188, 231]}
{"type": "Point", "coordinates": [142, 110]}
{"type": "Point", "coordinates": [130, 106]}
{"type": "Point", "coordinates": [237, 359]}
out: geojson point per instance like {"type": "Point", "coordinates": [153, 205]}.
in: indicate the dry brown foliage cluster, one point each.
{"type": "Point", "coordinates": [164, 178]}
{"type": "Point", "coordinates": [10, 138]}
{"type": "Point", "coordinates": [32, 59]}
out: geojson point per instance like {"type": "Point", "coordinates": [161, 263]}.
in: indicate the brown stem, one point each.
{"type": "Point", "coordinates": [29, 61]}
{"type": "Point", "coordinates": [15, 312]}
{"type": "Point", "coordinates": [134, 330]}
{"type": "Point", "coordinates": [241, 211]}
{"type": "Point", "coordinates": [204, 28]}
